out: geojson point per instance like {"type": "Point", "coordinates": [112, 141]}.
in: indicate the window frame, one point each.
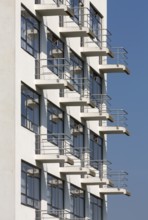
{"type": "Point", "coordinates": [35, 52]}
{"type": "Point", "coordinates": [96, 150]}
{"type": "Point", "coordinates": [54, 110]}
{"type": "Point", "coordinates": [54, 42]}
{"type": "Point", "coordinates": [26, 164]}
{"type": "Point", "coordinates": [99, 207]}
{"type": "Point", "coordinates": [55, 189]}
{"type": "Point", "coordinates": [78, 78]}
{"type": "Point", "coordinates": [96, 84]}
{"type": "Point", "coordinates": [28, 123]}
{"type": "Point", "coordinates": [96, 20]}
{"type": "Point", "coordinates": [76, 146]}
{"type": "Point", "coordinates": [76, 202]}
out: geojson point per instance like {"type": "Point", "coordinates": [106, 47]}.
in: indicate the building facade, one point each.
{"type": "Point", "coordinates": [55, 112]}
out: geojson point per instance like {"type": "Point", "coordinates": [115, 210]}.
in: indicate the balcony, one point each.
{"type": "Point", "coordinates": [53, 8]}
{"type": "Point", "coordinates": [63, 214]}
{"type": "Point", "coordinates": [101, 110]}
{"type": "Point", "coordinates": [53, 73]}
{"type": "Point", "coordinates": [98, 170]}
{"type": "Point", "coordinates": [52, 148]}
{"type": "Point", "coordinates": [119, 179]}
{"type": "Point", "coordinates": [47, 214]}
{"type": "Point", "coordinates": [99, 46]}
{"type": "Point", "coordinates": [119, 126]}
{"type": "Point", "coordinates": [73, 98]}
{"type": "Point", "coordinates": [118, 64]}
{"type": "Point", "coordinates": [79, 25]}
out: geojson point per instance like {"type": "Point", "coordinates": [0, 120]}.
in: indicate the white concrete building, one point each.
{"type": "Point", "coordinates": [55, 112]}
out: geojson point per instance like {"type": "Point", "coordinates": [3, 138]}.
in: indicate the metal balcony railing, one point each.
{"type": "Point", "coordinates": [103, 40]}
{"type": "Point", "coordinates": [103, 166]}
{"type": "Point", "coordinates": [58, 66]}
{"type": "Point", "coordinates": [120, 56]}
{"type": "Point", "coordinates": [46, 143]}
{"type": "Point", "coordinates": [101, 102]}
{"type": "Point", "coordinates": [120, 117]}
{"type": "Point", "coordinates": [119, 178]}
{"type": "Point", "coordinates": [62, 214]}
{"type": "Point", "coordinates": [83, 18]}
{"type": "Point", "coordinates": [54, 2]}
{"type": "Point", "coordinates": [47, 214]}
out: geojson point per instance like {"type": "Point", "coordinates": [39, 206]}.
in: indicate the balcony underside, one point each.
{"type": "Point", "coordinates": [72, 102]}
{"type": "Point", "coordinates": [52, 10]}
{"type": "Point", "coordinates": [53, 84]}
{"type": "Point", "coordinates": [94, 116]}
{"type": "Point", "coordinates": [113, 68]}
{"type": "Point", "coordinates": [53, 158]}
{"type": "Point", "coordinates": [114, 130]}
{"type": "Point", "coordinates": [76, 32]}
{"type": "Point", "coordinates": [96, 181]}
{"type": "Point", "coordinates": [73, 170]}
{"type": "Point", "coordinates": [95, 51]}
{"type": "Point", "coordinates": [114, 191]}
{"type": "Point", "coordinates": [49, 158]}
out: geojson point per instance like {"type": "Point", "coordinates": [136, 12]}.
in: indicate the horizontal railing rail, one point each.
{"type": "Point", "coordinates": [119, 178]}
{"type": "Point", "coordinates": [120, 55]}
{"type": "Point", "coordinates": [103, 39]}
{"type": "Point", "coordinates": [120, 117]}
{"type": "Point", "coordinates": [58, 3]}
{"type": "Point", "coordinates": [83, 18]}
{"type": "Point", "coordinates": [61, 214]}
{"type": "Point", "coordinates": [101, 102]}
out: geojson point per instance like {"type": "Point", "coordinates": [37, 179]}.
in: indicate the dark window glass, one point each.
{"type": "Point", "coordinates": [55, 54]}
{"type": "Point", "coordinates": [96, 151]}
{"type": "Point", "coordinates": [77, 72]}
{"type": "Point", "coordinates": [30, 115]}
{"type": "Point", "coordinates": [55, 124]}
{"type": "Point", "coordinates": [29, 33]}
{"type": "Point", "coordinates": [30, 185]}
{"type": "Point", "coordinates": [95, 85]}
{"type": "Point", "coordinates": [77, 202]}
{"type": "Point", "coordinates": [55, 195]}
{"type": "Point", "coordinates": [77, 6]}
{"type": "Point", "coordinates": [96, 208]}
{"type": "Point", "coordinates": [77, 137]}
{"type": "Point", "coordinates": [96, 22]}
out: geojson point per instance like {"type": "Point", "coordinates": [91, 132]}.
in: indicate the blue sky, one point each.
{"type": "Point", "coordinates": [127, 21]}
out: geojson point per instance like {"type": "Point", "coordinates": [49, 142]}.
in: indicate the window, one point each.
{"type": "Point", "coordinates": [96, 23]}
{"type": "Point", "coordinates": [77, 202]}
{"type": "Point", "coordinates": [96, 151]}
{"type": "Point", "coordinates": [30, 185]}
{"type": "Point", "coordinates": [55, 195]}
{"type": "Point", "coordinates": [30, 33]}
{"type": "Point", "coordinates": [95, 85]}
{"type": "Point", "coordinates": [30, 106]}
{"type": "Point", "coordinates": [77, 72]}
{"type": "Point", "coordinates": [77, 137]}
{"type": "Point", "coordinates": [55, 54]}
{"type": "Point", "coordinates": [55, 124]}
{"type": "Point", "coordinates": [96, 208]}
{"type": "Point", "coordinates": [77, 6]}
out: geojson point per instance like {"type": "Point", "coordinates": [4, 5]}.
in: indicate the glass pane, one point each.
{"type": "Point", "coordinates": [30, 190]}
{"type": "Point", "coordinates": [23, 183]}
{"type": "Point", "coordinates": [23, 28]}
{"type": "Point", "coordinates": [30, 34]}
{"type": "Point", "coordinates": [23, 105]}
{"type": "Point", "coordinates": [36, 189]}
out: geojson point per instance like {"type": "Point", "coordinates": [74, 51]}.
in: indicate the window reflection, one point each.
{"type": "Point", "coordinates": [30, 185]}
{"type": "Point", "coordinates": [30, 109]}
{"type": "Point", "coordinates": [29, 33]}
